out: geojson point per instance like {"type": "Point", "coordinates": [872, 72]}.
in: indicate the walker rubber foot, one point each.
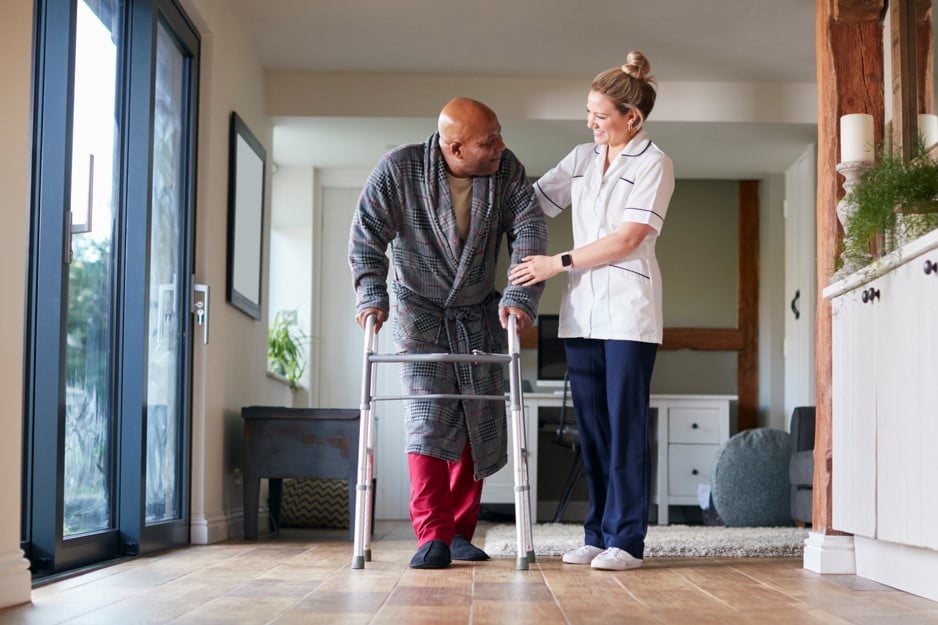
{"type": "Point", "coordinates": [367, 555]}
{"type": "Point", "coordinates": [358, 562]}
{"type": "Point", "coordinates": [531, 556]}
{"type": "Point", "coordinates": [522, 564]}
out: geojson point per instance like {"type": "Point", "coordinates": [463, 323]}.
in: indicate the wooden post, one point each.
{"type": "Point", "coordinates": [849, 41]}
{"type": "Point", "coordinates": [902, 36]}
{"type": "Point", "coordinates": [925, 57]}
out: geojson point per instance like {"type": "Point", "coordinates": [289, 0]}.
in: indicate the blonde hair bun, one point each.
{"type": "Point", "coordinates": [637, 66]}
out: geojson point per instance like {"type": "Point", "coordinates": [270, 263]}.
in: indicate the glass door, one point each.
{"type": "Point", "coordinates": [109, 278]}
{"type": "Point", "coordinates": [169, 299]}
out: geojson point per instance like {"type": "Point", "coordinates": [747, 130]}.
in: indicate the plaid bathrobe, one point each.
{"type": "Point", "coordinates": [446, 296]}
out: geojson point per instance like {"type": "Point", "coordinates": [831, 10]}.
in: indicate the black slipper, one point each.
{"type": "Point", "coordinates": [462, 549]}
{"type": "Point", "coordinates": [431, 555]}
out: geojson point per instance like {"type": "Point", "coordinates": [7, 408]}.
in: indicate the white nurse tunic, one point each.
{"type": "Point", "coordinates": [622, 299]}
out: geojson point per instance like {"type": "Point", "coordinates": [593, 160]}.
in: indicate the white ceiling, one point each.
{"type": "Point", "coordinates": [686, 40]}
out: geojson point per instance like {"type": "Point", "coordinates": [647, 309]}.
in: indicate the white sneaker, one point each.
{"type": "Point", "coordinates": [615, 559]}
{"type": "Point", "coordinates": [582, 555]}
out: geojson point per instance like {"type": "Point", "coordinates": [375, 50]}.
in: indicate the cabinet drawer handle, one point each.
{"type": "Point", "coordinates": [869, 295]}
{"type": "Point", "coordinates": [694, 472]}
{"type": "Point", "coordinates": [931, 267]}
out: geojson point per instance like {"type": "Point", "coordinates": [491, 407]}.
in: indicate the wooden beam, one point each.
{"type": "Point", "coordinates": [703, 339]}
{"type": "Point", "coordinates": [902, 37]}
{"type": "Point", "coordinates": [747, 364]}
{"type": "Point", "coordinates": [857, 10]}
{"type": "Point", "coordinates": [925, 57]}
{"type": "Point", "coordinates": [849, 57]}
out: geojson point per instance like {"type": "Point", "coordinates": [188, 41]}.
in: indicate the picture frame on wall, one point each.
{"type": "Point", "coordinates": [247, 166]}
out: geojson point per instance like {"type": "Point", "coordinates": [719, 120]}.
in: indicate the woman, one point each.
{"type": "Point", "coordinates": [610, 317]}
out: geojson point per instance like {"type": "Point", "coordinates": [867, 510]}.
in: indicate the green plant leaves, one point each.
{"type": "Point", "coordinates": [891, 188]}
{"type": "Point", "coordinates": [286, 347]}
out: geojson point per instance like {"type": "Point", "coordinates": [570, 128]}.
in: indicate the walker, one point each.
{"type": "Point", "coordinates": [366, 442]}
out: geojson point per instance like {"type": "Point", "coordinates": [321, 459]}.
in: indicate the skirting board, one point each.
{"type": "Point", "coordinates": [910, 569]}
{"type": "Point", "coordinates": [207, 530]}
{"type": "Point", "coordinates": [829, 555]}
{"type": "Point", "coordinates": [15, 579]}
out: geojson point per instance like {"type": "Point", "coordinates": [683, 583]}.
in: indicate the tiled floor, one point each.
{"type": "Point", "coordinates": [305, 577]}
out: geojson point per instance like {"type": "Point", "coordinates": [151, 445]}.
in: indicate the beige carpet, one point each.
{"type": "Point", "coordinates": [663, 541]}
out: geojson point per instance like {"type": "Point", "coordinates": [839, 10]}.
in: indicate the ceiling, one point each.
{"type": "Point", "coordinates": [686, 40]}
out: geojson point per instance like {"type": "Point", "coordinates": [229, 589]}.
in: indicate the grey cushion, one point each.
{"type": "Point", "coordinates": [749, 480]}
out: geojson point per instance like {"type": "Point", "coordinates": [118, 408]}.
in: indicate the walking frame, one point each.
{"type": "Point", "coordinates": [366, 438]}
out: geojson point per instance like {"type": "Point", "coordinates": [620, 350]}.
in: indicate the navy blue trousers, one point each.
{"type": "Point", "coordinates": [610, 382]}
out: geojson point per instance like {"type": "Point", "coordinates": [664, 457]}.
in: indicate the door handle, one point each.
{"type": "Point", "coordinates": [794, 304]}
{"type": "Point", "coordinates": [200, 308]}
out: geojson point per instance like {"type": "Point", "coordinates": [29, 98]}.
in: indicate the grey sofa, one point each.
{"type": "Point", "coordinates": [801, 466]}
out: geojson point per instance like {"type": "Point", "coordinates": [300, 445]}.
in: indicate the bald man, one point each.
{"type": "Point", "coordinates": [444, 207]}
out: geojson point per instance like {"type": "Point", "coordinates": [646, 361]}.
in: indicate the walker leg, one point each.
{"type": "Point", "coordinates": [362, 533]}
{"type": "Point", "coordinates": [523, 528]}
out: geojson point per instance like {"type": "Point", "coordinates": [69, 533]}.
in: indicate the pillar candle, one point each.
{"type": "Point", "coordinates": [928, 129]}
{"type": "Point", "coordinates": [856, 137]}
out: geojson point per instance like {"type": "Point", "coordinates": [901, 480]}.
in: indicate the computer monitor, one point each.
{"type": "Point", "coordinates": [551, 357]}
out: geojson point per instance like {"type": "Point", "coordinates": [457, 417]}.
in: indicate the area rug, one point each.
{"type": "Point", "coordinates": [663, 541]}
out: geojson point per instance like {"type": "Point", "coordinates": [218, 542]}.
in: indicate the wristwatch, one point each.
{"type": "Point", "coordinates": [567, 261]}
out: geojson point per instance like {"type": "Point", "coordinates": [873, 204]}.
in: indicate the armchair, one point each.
{"type": "Point", "coordinates": [801, 466]}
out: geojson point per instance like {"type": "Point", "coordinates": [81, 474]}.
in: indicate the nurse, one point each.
{"type": "Point", "coordinates": [618, 189]}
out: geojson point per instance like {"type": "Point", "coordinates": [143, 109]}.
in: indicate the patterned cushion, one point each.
{"type": "Point", "coordinates": [314, 503]}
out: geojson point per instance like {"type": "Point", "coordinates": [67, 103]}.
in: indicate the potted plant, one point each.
{"type": "Point", "coordinates": [286, 348]}
{"type": "Point", "coordinates": [894, 202]}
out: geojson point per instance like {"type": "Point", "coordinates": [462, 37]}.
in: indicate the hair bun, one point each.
{"type": "Point", "coordinates": [637, 66]}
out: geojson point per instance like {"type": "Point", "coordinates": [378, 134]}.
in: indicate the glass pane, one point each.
{"type": "Point", "coordinates": [88, 409]}
{"type": "Point", "coordinates": [167, 319]}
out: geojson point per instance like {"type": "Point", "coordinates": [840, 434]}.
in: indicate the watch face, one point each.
{"type": "Point", "coordinates": [566, 260]}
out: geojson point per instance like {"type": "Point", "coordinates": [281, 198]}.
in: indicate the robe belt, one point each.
{"type": "Point", "coordinates": [454, 322]}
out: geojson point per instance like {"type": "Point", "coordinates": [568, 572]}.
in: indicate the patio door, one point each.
{"type": "Point", "coordinates": [110, 280]}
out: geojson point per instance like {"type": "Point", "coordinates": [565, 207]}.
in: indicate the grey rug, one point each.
{"type": "Point", "coordinates": [663, 541]}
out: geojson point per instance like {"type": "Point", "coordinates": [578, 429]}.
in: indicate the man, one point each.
{"type": "Point", "coordinates": [443, 207]}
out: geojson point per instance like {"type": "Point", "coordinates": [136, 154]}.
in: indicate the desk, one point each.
{"type": "Point", "coordinates": [688, 431]}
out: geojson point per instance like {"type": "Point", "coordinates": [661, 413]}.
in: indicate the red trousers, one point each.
{"type": "Point", "coordinates": [444, 497]}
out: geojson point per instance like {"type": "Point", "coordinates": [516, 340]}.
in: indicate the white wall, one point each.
{"type": "Point", "coordinates": [16, 27]}
{"type": "Point", "coordinates": [407, 95]}
{"type": "Point", "coordinates": [291, 252]}
{"type": "Point", "coordinates": [230, 372]}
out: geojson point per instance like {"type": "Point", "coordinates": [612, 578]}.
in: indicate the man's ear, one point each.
{"type": "Point", "coordinates": [455, 149]}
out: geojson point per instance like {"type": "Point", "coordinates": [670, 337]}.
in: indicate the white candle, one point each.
{"type": "Point", "coordinates": [928, 129]}
{"type": "Point", "coordinates": [856, 137]}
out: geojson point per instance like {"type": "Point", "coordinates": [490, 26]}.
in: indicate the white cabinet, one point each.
{"type": "Point", "coordinates": [907, 407]}
{"type": "Point", "coordinates": [853, 345]}
{"type": "Point", "coordinates": [885, 399]}
{"type": "Point", "coordinates": [688, 431]}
